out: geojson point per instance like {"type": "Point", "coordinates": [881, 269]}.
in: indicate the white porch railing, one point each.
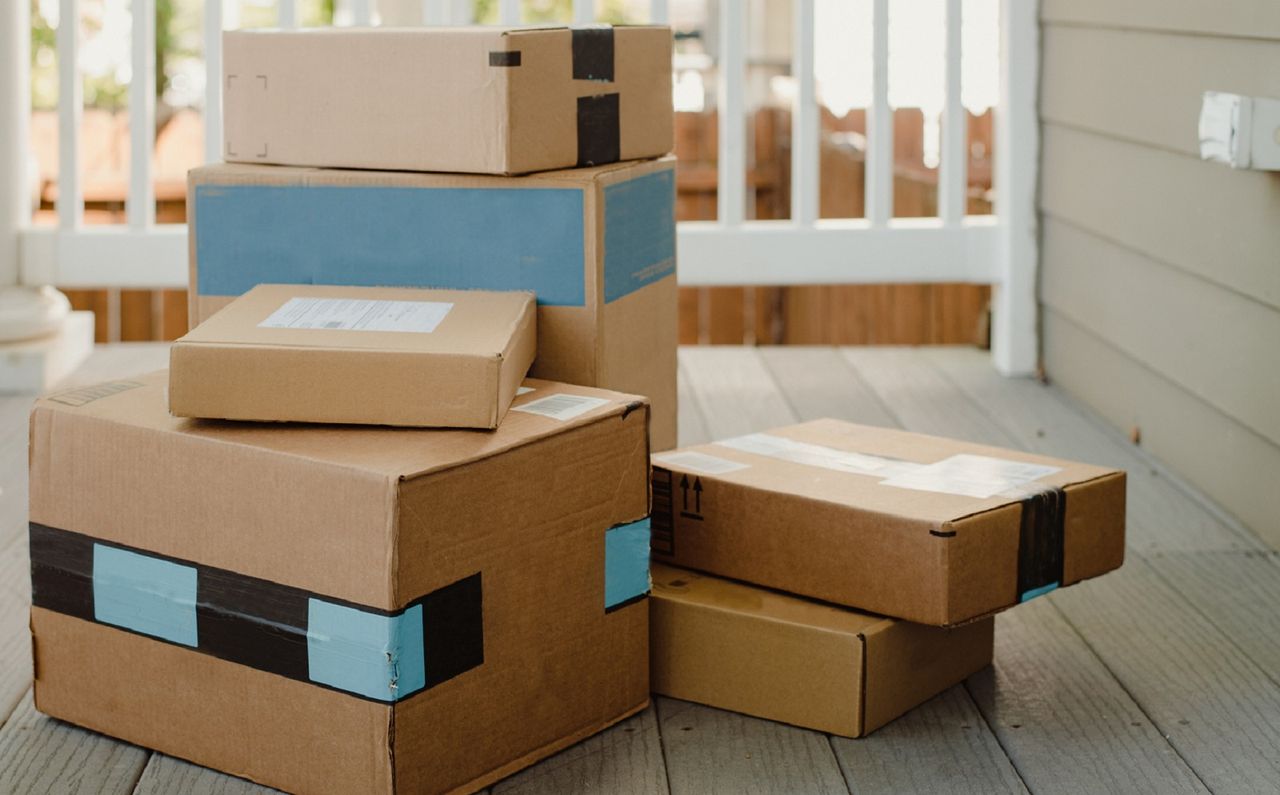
{"type": "Point", "coordinates": [1000, 250]}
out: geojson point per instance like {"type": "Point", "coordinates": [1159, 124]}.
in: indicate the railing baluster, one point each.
{"type": "Point", "coordinates": [15, 113]}
{"type": "Point", "coordinates": [879, 164]}
{"type": "Point", "coordinates": [140, 207]}
{"type": "Point", "coordinates": [287, 13]}
{"type": "Point", "coordinates": [584, 12]}
{"type": "Point", "coordinates": [213, 81]}
{"type": "Point", "coordinates": [362, 13]}
{"type": "Point", "coordinates": [657, 12]}
{"type": "Point", "coordinates": [70, 107]}
{"type": "Point", "coordinates": [953, 173]}
{"type": "Point", "coordinates": [732, 166]}
{"type": "Point", "coordinates": [509, 12]}
{"type": "Point", "coordinates": [805, 140]}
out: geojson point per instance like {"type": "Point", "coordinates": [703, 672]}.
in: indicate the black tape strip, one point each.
{"type": "Point", "coordinates": [1041, 541]}
{"type": "Point", "coordinates": [662, 512]}
{"type": "Point", "coordinates": [640, 597]}
{"type": "Point", "coordinates": [599, 135]}
{"type": "Point", "coordinates": [256, 622]}
{"type": "Point", "coordinates": [593, 53]}
{"type": "Point", "coordinates": [504, 58]}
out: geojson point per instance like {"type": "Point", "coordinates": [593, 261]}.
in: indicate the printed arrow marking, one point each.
{"type": "Point", "coordinates": [684, 491]}
{"type": "Point", "coordinates": [697, 495]}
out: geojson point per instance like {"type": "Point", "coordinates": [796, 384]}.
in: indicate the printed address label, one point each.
{"type": "Point", "coordinates": [356, 314]}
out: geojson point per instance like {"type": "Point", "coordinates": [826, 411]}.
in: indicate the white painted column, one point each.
{"type": "Point", "coordinates": [878, 193]}
{"type": "Point", "coordinates": [1015, 345]}
{"type": "Point", "coordinates": [732, 165]}
{"type": "Point", "coordinates": [953, 179]}
{"type": "Point", "coordinates": [15, 111]}
{"type": "Point", "coordinates": [805, 123]}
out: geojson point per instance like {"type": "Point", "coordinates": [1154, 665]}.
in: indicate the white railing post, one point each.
{"type": "Point", "coordinates": [213, 81]}
{"type": "Point", "coordinates": [806, 131]}
{"type": "Point", "coordinates": [1014, 323]}
{"type": "Point", "coordinates": [140, 207]}
{"type": "Point", "coordinates": [70, 108]}
{"type": "Point", "coordinates": [732, 166]}
{"type": "Point", "coordinates": [509, 12]}
{"type": "Point", "coordinates": [657, 12]}
{"type": "Point", "coordinates": [878, 196]}
{"type": "Point", "coordinates": [15, 109]}
{"type": "Point", "coordinates": [287, 13]}
{"type": "Point", "coordinates": [584, 12]}
{"type": "Point", "coordinates": [953, 177]}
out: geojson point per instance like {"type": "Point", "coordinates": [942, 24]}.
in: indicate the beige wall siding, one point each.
{"type": "Point", "coordinates": [1160, 273]}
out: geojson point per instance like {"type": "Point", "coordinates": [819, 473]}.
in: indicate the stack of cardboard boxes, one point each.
{"type": "Point", "coordinates": [345, 545]}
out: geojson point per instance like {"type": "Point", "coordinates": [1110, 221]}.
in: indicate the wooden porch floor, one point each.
{"type": "Point", "coordinates": [1162, 677]}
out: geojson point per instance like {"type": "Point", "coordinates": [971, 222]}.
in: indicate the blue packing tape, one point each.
{"type": "Point", "coordinates": [626, 563]}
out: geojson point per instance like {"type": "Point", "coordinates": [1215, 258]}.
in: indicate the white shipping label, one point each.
{"type": "Point", "coordinates": [814, 455]}
{"type": "Point", "coordinates": [353, 314]}
{"type": "Point", "coordinates": [561, 407]}
{"type": "Point", "coordinates": [971, 475]}
{"type": "Point", "coordinates": [699, 462]}
{"type": "Point", "coordinates": [523, 390]}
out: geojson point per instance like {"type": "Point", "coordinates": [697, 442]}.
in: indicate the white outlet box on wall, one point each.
{"type": "Point", "coordinates": [1243, 132]}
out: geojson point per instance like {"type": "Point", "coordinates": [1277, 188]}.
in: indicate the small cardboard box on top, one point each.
{"type": "Point", "coordinates": [815, 665]}
{"type": "Point", "coordinates": [926, 529]}
{"type": "Point", "coordinates": [596, 246]}
{"type": "Point", "coordinates": [335, 610]}
{"type": "Point", "coordinates": [366, 355]}
{"type": "Point", "coordinates": [488, 100]}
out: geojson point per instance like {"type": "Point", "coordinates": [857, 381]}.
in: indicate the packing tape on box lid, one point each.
{"type": "Point", "coordinates": [599, 116]}
{"type": "Point", "coordinates": [380, 655]}
{"type": "Point", "coordinates": [1041, 541]}
{"type": "Point", "coordinates": [626, 564]}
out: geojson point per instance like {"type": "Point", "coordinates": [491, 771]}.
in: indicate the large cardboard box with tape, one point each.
{"type": "Point", "coordinates": [932, 530]}
{"type": "Point", "coordinates": [597, 247]}
{"type": "Point", "coordinates": [488, 100]}
{"type": "Point", "coordinates": [337, 610]}
{"type": "Point", "coordinates": [815, 665]}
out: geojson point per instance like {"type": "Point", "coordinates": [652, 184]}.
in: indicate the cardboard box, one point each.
{"type": "Point", "coordinates": [597, 247]}
{"type": "Point", "coordinates": [337, 610]}
{"type": "Point", "coordinates": [377, 356]}
{"type": "Point", "coordinates": [814, 665]}
{"type": "Point", "coordinates": [931, 530]}
{"type": "Point", "coordinates": [489, 100]}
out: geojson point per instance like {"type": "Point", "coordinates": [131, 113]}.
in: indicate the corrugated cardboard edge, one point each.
{"type": "Point", "coordinates": [516, 358]}
{"type": "Point", "coordinates": [545, 751]}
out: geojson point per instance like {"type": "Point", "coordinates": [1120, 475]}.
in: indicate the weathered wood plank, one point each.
{"type": "Point", "coordinates": [15, 640]}
{"type": "Point", "coordinates": [1064, 719]}
{"type": "Point", "coordinates": [942, 746]}
{"type": "Point", "coordinates": [626, 758]}
{"type": "Point", "coordinates": [1216, 706]}
{"type": "Point", "coordinates": [692, 426]}
{"type": "Point", "coordinates": [1228, 462]}
{"type": "Point", "coordinates": [734, 391]}
{"type": "Point", "coordinates": [818, 382]}
{"type": "Point", "coordinates": [1239, 592]}
{"type": "Point", "coordinates": [1227, 357]}
{"type": "Point", "coordinates": [39, 754]}
{"type": "Point", "coordinates": [164, 775]}
{"type": "Point", "coordinates": [1216, 222]}
{"type": "Point", "coordinates": [1162, 516]}
{"type": "Point", "coordinates": [713, 751]}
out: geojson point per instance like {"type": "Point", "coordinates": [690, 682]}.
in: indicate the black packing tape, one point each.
{"type": "Point", "coordinates": [599, 135]}
{"type": "Point", "coordinates": [1041, 541]}
{"type": "Point", "coordinates": [593, 53]}
{"type": "Point", "coordinates": [504, 57]}
{"type": "Point", "coordinates": [662, 513]}
{"type": "Point", "coordinates": [255, 622]}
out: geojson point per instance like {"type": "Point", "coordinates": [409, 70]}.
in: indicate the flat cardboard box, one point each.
{"type": "Point", "coordinates": [365, 355]}
{"type": "Point", "coordinates": [813, 665]}
{"type": "Point", "coordinates": [333, 609]}
{"type": "Point", "coordinates": [597, 247]}
{"type": "Point", "coordinates": [931, 530]}
{"type": "Point", "coordinates": [488, 100]}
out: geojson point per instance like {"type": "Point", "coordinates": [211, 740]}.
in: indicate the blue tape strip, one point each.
{"type": "Point", "coordinates": [626, 562]}
{"type": "Point", "coordinates": [148, 595]}
{"type": "Point", "coordinates": [456, 238]}
{"type": "Point", "coordinates": [377, 656]}
{"type": "Point", "coordinates": [639, 233]}
{"type": "Point", "coordinates": [1041, 591]}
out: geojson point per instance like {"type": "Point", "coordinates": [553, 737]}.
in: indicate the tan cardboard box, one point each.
{"type": "Point", "coordinates": [931, 530]}
{"type": "Point", "coordinates": [488, 100]}
{"type": "Point", "coordinates": [597, 247]}
{"type": "Point", "coordinates": [814, 665]}
{"type": "Point", "coordinates": [376, 356]}
{"type": "Point", "coordinates": [338, 610]}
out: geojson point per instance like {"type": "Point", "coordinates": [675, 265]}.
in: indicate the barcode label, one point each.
{"type": "Point", "coordinates": [699, 462]}
{"type": "Point", "coordinates": [351, 314]}
{"type": "Point", "coordinates": [561, 407]}
{"type": "Point", "coordinates": [662, 530]}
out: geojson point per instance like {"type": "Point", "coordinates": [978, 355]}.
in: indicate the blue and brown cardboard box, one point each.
{"type": "Point", "coordinates": [596, 245]}
{"type": "Point", "coordinates": [341, 609]}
